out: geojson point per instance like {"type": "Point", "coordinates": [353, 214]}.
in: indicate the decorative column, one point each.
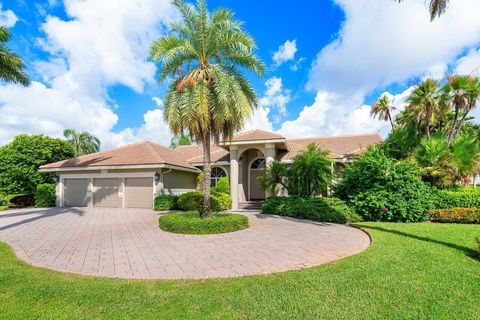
{"type": "Point", "coordinates": [269, 157]}
{"type": "Point", "coordinates": [234, 176]}
{"type": "Point", "coordinates": [61, 192]}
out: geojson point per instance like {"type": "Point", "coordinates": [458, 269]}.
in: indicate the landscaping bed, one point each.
{"type": "Point", "coordinates": [191, 223]}
{"type": "Point", "coordinates": [455, 215]}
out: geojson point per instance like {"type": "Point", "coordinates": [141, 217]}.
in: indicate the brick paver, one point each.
{"type": "Point", "coordinates": [127, 243]}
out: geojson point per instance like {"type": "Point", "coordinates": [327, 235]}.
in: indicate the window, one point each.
{"type": "Point", "coordinates": [217, 173]}
{"type": "Point", "coordinates": [258, 164]}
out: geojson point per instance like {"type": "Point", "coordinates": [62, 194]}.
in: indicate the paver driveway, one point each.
{"type": "Point", "coordinates": [127, 243]}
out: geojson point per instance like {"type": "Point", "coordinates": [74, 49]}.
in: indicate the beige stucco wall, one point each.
{"type": "Point", "coordinates": [176, 179]}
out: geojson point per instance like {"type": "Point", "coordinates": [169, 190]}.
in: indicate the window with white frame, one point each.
{"type": "Point", "coordinates": [217, 173]}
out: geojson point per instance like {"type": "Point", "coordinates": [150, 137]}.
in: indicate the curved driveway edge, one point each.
{"type": "Point", "coordinates": [127, 243]}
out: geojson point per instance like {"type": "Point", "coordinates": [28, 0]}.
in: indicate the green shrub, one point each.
{"type": "Point", "coordinates": [457, 198]}
{"type": "Point", "coordinates": [165, 202]}
{"type": "Point", "coordinates": [22, 200]}
{"type": "Point", "coordinates": [194, 201]}
{"type": "Point", "coordinates": [45, 195]}
{"type": "Point", "coordinates": [316, 209]}
{"type": "Point", "coordinates": [382, 189]}
{"type": "Point", "coordinates": [223, 186]}
{"type": "Point", "coordinates": [191, 223]}
{"type": "Point", "coordinates": [455, 215]}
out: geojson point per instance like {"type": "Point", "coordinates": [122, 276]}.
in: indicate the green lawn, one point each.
{"type": "Point", "coordinates": [415, 271]}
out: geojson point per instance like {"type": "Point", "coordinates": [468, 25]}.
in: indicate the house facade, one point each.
{"type": "Point", "coordinates": [132, 175]}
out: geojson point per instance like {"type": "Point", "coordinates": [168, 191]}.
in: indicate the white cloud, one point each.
{"type": "Point", "coordinates": [259, 120]}
{"type": "Point", "coordinates": [470, 63]}
{"type": "Point", "coordinates": [275, 96]}
{"type": "Point", "coordinates": [382, 42]}
{"type": "Point", "coordinates": [7, 17]}
{"type": "Point", "coordinates": [285, 52]}
{"type": "Point", "coordinates": [99, 45]}
{"type": "Point", "coordinates": [158, 102]}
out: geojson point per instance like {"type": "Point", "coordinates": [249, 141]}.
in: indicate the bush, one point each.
{"type": "Point", "coordinates": [223, 186]}
{"type": "Point", "coordinates": [191, 223]}
{"type": "Point", "coordinates": [165, 202]}
{"type": "Point", "coordinates": [194, 201]}
{"type": "Point", "coordinates": [45, 195]}
{"type": "Point", "coordinates": [382, 189]}
{"type": "Point", "coordinates": [455, 215]}
{"type": "Point", "coordinates": [316, 209]}
{"type": "Point", "coordinates": [22, 200]}
{"type": "Point", "coordinates": [457, 198]}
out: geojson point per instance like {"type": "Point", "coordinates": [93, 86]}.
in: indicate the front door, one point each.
{"type": "Point", "coordinates": [255, 171]}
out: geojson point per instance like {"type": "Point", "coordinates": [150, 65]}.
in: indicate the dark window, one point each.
{"type": "Point", "coordinates": [258, 164]}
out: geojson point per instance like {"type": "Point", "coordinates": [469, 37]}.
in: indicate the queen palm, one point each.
{"type": "Point", "coordinates": [436, 8]}
{"type": "Point", "coordinates": [11, 65]}
{"type": "Point", "coordinates": [82, 142]}
{"type": "Point", "coordinates": [208, 97]}
{"type": "Point", "coordinates": [383, 109]}
{"type": "Point", "coordinates": [424, 102]}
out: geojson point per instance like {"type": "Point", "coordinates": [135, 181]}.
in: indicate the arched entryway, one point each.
{"type": "Point", "coordinates": [255, 170]}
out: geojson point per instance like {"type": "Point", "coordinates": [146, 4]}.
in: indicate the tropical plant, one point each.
{"type": "Point", "coordinates": [465, 95]}
{"type": "Point", "coordinates": [424, 103]}
{"type": "Point", "coordinates": [20, 159]}
{"type": "Point", "coordinates": [180, 140]}
{"type": "Point", "coordinates": [209, 96]}
{"type": "Point", "coordinates": [11, 65]}
{"type": "Point", "coordinates": [311, 172]}
{"type": "Point", "coordinates": [436, 8]}
{"type": "Point", "coordinates": [383, 109]}
{"type": "Point", "coordinates": [82, 142]}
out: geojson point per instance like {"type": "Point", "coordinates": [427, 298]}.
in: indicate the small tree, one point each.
{"type": "Point", "coordinates": [82, 142]}
{"type": "Point", "coordinates": [310, 173]}
{"type": "Point", "coordinates": [20, 159]}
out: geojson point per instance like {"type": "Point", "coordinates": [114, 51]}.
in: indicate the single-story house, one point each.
{"type": "Point", "coordinates": [130, 176]}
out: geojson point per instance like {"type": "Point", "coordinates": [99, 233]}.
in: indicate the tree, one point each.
{"type": "Point", "coordinates": [209, 96]}
{"type": "Point", "coordinates": [180, 140]}
{"type": "Point", "coordinates": [310, 173]}
{"type": "Point", "coordinates": [424, 102]}
{"type": "Point", "coordinates": [82, 142]}
{"type": "Point", "coordinates": [383, 109]}
{"type": "Point", "coordinates": [436, 8]}
{"type": "Point", "coordinates": [11, 65]}
{"type": "Point", "coordinates": [466, 91]}
{"type": "Point", "coordinates": [20, 159]}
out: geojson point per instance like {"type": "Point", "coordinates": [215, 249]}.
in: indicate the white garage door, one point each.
{"type": "Point", "coordinates": [106, 193]}
{"type": "Point", "coordinates": [139, 193]}
{"type": "Point", "coordinates": [76, 192]}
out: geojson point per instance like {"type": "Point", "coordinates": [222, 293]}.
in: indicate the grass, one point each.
{"type": "Point", "coordinates": [191, 223]}
{"type": "Point", "coordinates": [411, 271]}
{"type": "Point", "coordinates": [3, 208]}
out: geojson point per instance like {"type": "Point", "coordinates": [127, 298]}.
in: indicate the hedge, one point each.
{"type": "Point", "coordinates": [191, 223]}
{"type": "Point", "coordinates": [316, 209]}
{"type": "Point", "coordinates": [194, 201]}
{"type": "Point", "coordinates": [455, 215]}
{"type": "Point", "coordinates": [165, 202]}
{"type": "Point", "coordinates": [45, 195]}
{"type": "Point", "coordinates": [461, 198]}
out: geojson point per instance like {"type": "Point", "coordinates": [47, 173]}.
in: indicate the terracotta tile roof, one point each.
{"type": "Point", "coordinates": [194, 153]}
{"type": "Point", "coordinates": [254, 135]}
{"type": "Point", "coordinates": [139, 153]}
{"type": "Point", "coordinates": [338, 146]}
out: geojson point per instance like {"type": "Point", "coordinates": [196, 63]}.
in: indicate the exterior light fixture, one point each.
{"type": "Point", "coordinates": [156, 177]}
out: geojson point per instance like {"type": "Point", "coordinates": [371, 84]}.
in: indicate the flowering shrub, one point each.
{"type": "Point", "coordinates": [455, 215]}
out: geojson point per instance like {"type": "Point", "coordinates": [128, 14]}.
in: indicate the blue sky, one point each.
{"type": "Point", "coordinates": [327, 61]}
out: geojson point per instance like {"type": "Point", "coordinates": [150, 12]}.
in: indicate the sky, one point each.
{"type": "Point", "coordinates": [327, 62]}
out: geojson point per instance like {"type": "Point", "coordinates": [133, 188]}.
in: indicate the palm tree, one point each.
{"type": "Point", "coordinates": [455, 92]}
{"type": "Point", "coordinates": [424, 102]}
{"type": "Point", "coordinates": [208, 97]}
{"type": "Point", "coordinates": [383, 109]}
{"type": "Point", "coordinates": [436, 8]}
{"type": "Point", "coordinates": [179, 140]}
{"type": "Point", "coordinates": [82, 142]}
{"type": "Point", "coordinates": [472, 96]}
{"type": "Point", "coordinates": [11, 65]}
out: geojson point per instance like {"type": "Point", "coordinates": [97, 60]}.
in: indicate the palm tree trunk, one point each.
{"type": "Point", "coordinates": [390, 119]}
{"type": "Point", "coordinates": [427, 123]}
{"type": "Point", "coordinates": [207, 173]}
{"type": "Point", "coordinates": [452, 134]}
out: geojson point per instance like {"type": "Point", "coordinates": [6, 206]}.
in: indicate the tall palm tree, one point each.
{"type": "Point", "coordinates": [383, 109]}
{"type": "Point", "coordinates": [426, 100]}
{"type": "Point", "coordinates": [11, 65]}
{"type": "Point", "coordinates": [455, 92]}
{"type": "Point", "coordinates": [209, 97]}
{"type": "Point", "coordinates": [82, 142]}
{"type": "Point", "coordinates": [472, 96]}
{"type": "Point", "coordinates": [436, 8]}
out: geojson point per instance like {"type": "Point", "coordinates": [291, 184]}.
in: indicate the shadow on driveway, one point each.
{"type": "Point", "coordinates": [39, 214]}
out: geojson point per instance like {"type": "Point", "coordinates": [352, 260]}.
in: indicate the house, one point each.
{"type": "Point", "coordinates": [130, 176]}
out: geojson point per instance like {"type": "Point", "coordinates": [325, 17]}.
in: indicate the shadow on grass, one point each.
{"type": "Point", "coordinates": [468, 251]}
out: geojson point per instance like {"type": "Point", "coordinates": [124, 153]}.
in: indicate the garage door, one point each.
{"type": "Point", "coordinates": [106, 193]}
{"type": "Point", "coordinates": [76, 192]}
{"type": "Point", "coordinates": [138, 193]}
